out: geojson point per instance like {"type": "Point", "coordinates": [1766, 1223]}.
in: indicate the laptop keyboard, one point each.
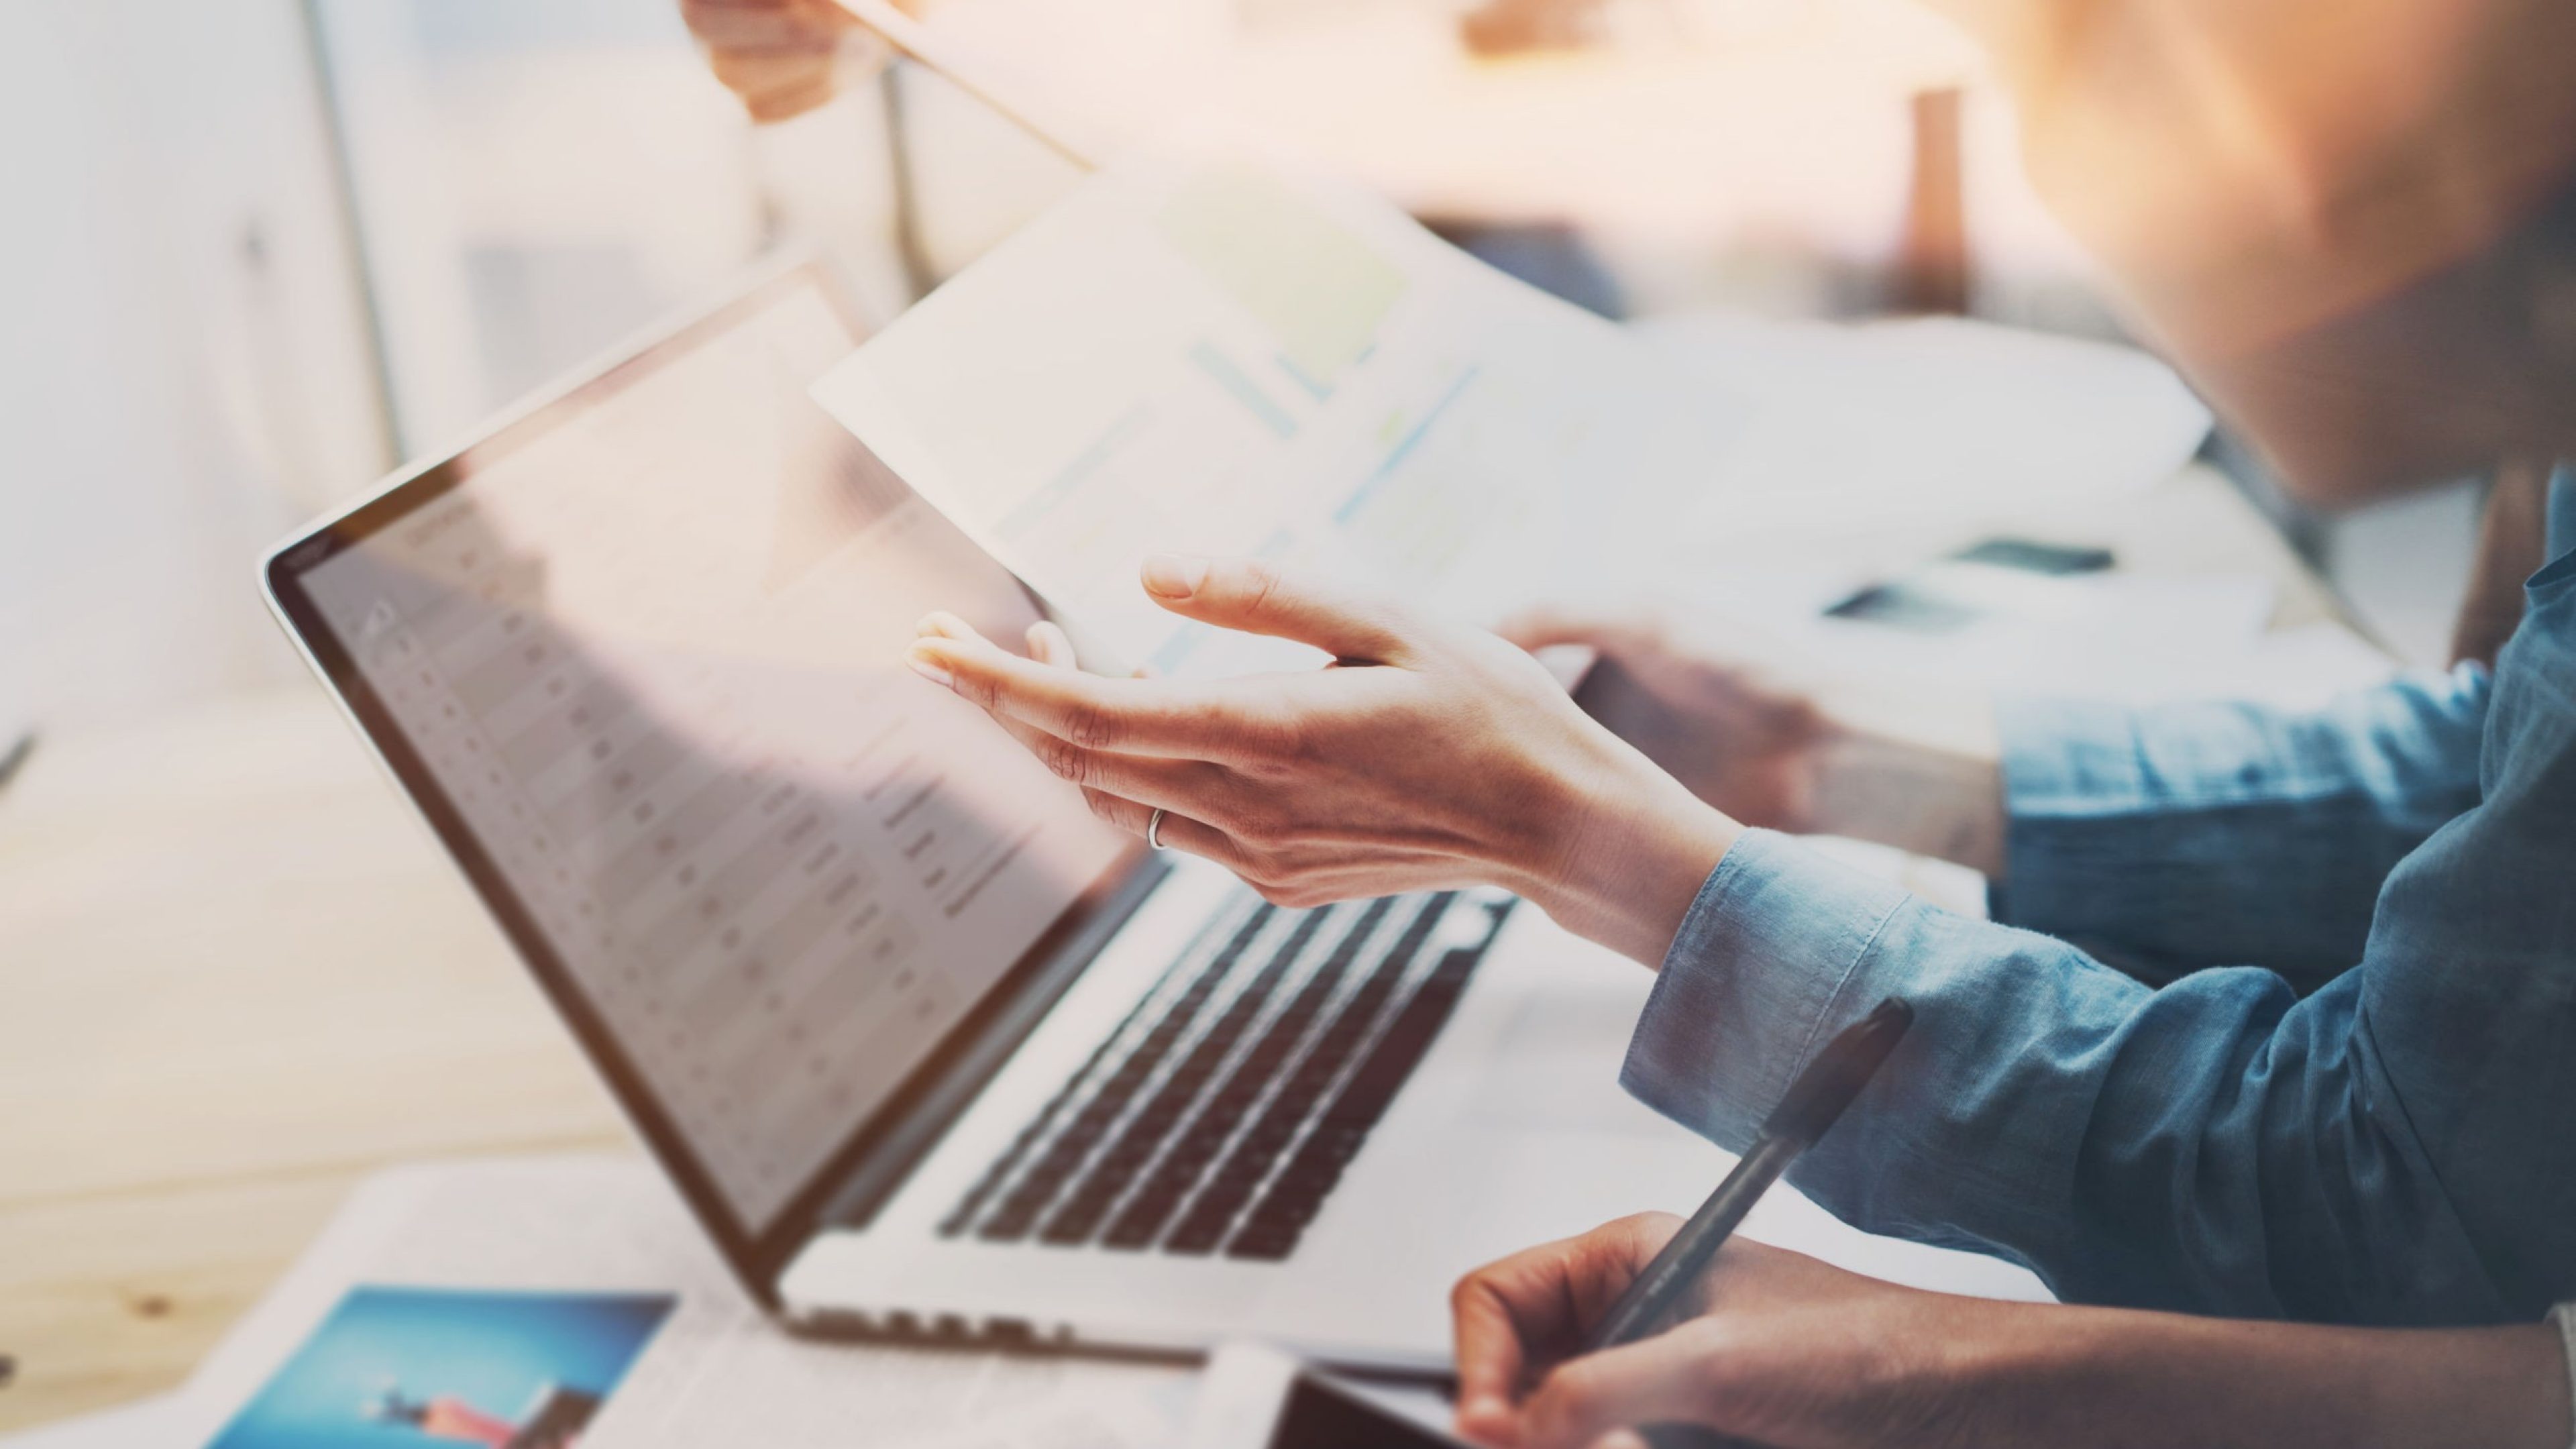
{"type": "Point", "coordinates": [1221, 1113]}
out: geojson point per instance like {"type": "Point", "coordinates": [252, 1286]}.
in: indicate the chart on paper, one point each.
{"type": "Point", "coordinates": [1220, 358]}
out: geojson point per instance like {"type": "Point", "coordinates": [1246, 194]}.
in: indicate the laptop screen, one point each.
{"type": "Point", "coordinates": [638, 655]}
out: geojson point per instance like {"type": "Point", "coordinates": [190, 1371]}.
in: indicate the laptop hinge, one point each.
{"type": "Point", "coordinates": [873, 1180]}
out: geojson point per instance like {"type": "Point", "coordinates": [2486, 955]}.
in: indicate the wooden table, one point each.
{"type": "Point", "coordinates": [240, 976]}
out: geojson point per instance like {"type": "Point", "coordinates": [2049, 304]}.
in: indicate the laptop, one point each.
{"type": "Point", "coordinates": [929, 1050]}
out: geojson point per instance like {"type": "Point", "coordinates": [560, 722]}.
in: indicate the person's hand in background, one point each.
{"type": "Point", "coordinates": [1787, 1351]}
{"type": "Point", "coordinates": [783, 57]}
{"type": "Point", "coordinates": [1742, 738]}
{"type": "Point", "coordinates": [1916, 770]}
{"type": "Point", "coordinates": [1431, 755]}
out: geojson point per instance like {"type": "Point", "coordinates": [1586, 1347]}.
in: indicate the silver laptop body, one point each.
{"type": "Point", "coordinates": [930, 1051]}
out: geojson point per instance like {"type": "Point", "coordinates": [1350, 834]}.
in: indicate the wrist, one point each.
{"type": "Point", "coordinates": [1622, 851]}
{"type": "Point", "coordinates": [2052, 1375]}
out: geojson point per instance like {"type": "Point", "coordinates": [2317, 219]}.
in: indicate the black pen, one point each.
{"type": "Point", "coordinates": [1814, 1102]}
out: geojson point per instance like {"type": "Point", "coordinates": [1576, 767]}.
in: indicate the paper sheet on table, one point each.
{"type": "Point", "coordinates": [1885, 424]}
{"type": "Point", "coordinates": [1219, 357]}
{"type": "Point", "coordinates": [2117, 637]}
{"type": "Point", "coordinates": [718, 1372]}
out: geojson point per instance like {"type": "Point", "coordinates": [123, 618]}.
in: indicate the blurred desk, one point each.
{"type": "Point", "coordinates": [2194, 524]}
{"type": "Point", "coordinates": [240, 977]}
{"type": "Point", "coordinates": [1764, 148]}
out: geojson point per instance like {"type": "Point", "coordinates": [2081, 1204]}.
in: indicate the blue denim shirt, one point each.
{"type": "Point", "coordinates": [2397, 1145]}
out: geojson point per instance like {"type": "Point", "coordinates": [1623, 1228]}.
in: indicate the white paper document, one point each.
{"type": "Point", "coordinates": [1218, 357]}
{"type": "Point", "coordinates": [1919, 421]}
{"type": "Point", "coordinates": [716, 1372]}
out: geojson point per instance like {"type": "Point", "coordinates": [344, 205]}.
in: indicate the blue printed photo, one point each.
{"type": "Point", "coordinates": [398, 1367]}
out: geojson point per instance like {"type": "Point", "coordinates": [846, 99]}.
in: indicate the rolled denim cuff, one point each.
{"type": "Point", "coordinates": [1754, 982]}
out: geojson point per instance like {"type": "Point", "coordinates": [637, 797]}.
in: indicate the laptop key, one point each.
{"type": "Point", "coordinates": [1175, 1162]}
{"type": "Point", "coordinates": [1208, 1219]}
{"type": "Point", "coordinates": [962, 1216]}
{"type": "Point", "coordinates": [1263, 1245]}
{"type": "Point", "coordinates": [1115, 1170]}
{"type": "Point", "coordinates": [1178, 1174]}
{"type": "Point", "coordinates": [1029, 1198]}
{"type": "Point", "coordinates": [1272, 1229]}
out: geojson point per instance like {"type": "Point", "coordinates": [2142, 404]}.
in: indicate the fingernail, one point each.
{"type": "Point", "coordinates": [1174, 576]}
{"type": "Point", "coordinates": [926, 664]}
{"type": "Point", "coordinates": [1484, 1420]}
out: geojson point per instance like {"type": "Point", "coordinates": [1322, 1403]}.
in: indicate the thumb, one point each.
{"type": "Point", "coordinates": [1255, 597]}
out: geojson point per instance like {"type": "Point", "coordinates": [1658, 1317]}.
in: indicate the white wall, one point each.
{"type": "Point", "coordinates": [183, 369]}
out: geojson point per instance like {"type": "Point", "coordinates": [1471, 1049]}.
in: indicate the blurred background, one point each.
{"type": "Point", "coordinates": [262, 251]}
{"type": "Point", "coordinates": [265, 249]}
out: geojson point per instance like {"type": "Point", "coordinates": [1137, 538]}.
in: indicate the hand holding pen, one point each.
{"type": "Point", "coordinates": [1561, 1303]}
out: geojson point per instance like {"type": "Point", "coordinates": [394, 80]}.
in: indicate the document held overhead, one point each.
{"type": "Point", "coordinates": [1220, 357]}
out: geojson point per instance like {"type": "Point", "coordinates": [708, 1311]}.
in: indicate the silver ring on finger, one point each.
{"type": "Point", "coordinates": [1154, 829]}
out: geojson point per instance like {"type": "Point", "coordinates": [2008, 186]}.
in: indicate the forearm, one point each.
{"type": "Point", "coordinates": [1622, 852]}
{"type": "Point", "coordinates": [2278, 827]}
{"type": "Point", "coordinates": [2163, 1149]}
{"type": "Point", "coordinates": [2111, 1379]}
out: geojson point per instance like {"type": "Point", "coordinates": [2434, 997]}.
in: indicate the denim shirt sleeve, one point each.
{"type": "Point", "coordinates": [2393, 1148]}
{"type": "Point", "coordinates": [2174, 837]}
{"type": "Point", "coordinates": [2216, 1146]}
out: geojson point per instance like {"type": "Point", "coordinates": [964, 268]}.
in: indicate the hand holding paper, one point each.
{"type": "Point", "coordinates": [1432, 755]}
